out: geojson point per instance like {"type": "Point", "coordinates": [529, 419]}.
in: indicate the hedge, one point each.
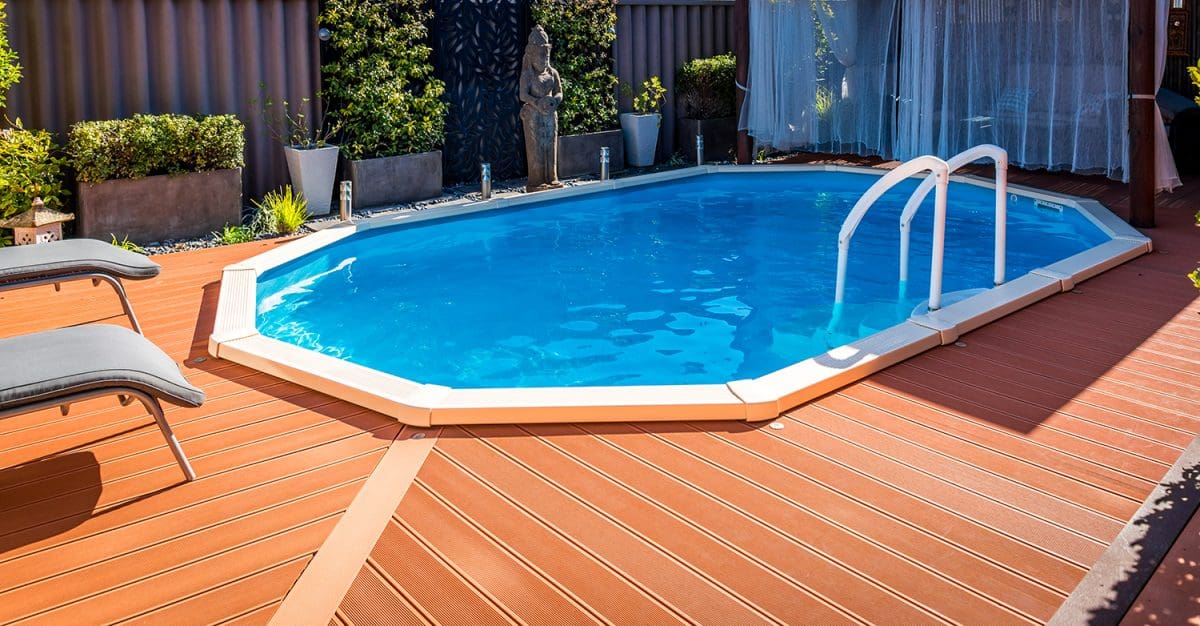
{"type": "Point", "coordinates": [149, 145]}
{"type": "Point", "coordinates": [705, 88]}
{"type": "Point", "coordinates": [582, 33]}
{"type": "Point", "coordinates": [29, 168]}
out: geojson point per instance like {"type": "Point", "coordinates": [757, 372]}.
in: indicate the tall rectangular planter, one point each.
{"type": "Point", "coordinates": [160, 207]}
{"type": "Point", "coordinates": [720, 137]}
{"type": "Point", "coordinates": [579, 155]}
{"type": "Point", "coordinates": [395, 180]}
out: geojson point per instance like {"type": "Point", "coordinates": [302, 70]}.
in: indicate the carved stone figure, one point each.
{"type": "Point", "coordinates": [541, 94]}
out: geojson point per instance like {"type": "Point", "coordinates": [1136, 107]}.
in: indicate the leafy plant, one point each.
{"type": "Point", "coordinates": [1195, 275]}
{"type": "Point", "coordinates": [290, 125]}
{"type": "Point", "coordinates": [29, 168]}
{"type": "Point", "coordinates": [706, 89]}
{"type": "Point", "coordinates": [126, 244]}
{"type": "Point", "coordinates": [148, 145]}
{"type": "Point", "coordinates": [280, 212]}
{"type": "Point", "coordinates": [10, 71]}
{"type": "Point", "coordinates": [232, 234]}
{"type": "Point", "coordinates": [650, 98]}
{"type": "Point", "coordinates": [1194, 74]}
{"type": "Point", "coordinates": [582, 33]}
{"type": "Point", "coordinates": [379, 81]}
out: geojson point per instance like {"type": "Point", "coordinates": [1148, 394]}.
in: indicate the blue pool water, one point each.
{"type": "Point", "coordinates": [701, 280]}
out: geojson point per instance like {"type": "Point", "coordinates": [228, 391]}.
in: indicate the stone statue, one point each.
{"type": "Point", "coordinates": [541, 95]}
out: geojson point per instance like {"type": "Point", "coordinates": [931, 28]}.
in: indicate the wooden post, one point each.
{"type": "Point", "coordinates": [741, 49]}
{"type": "Point", "coordinates": [1143, 56]}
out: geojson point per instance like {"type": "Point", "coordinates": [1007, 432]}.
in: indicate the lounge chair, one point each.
{"type": "Point", "coordinates": [58, 367]}
{"type": "Point", "coordinates": [74, 259]}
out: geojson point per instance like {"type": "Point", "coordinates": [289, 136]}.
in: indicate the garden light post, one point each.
{"type": "Point", "coordinates": [347, 199]}
{"type": "Point", "coordinates": [605, 158]}
{"type": "Point", "coordinates": [699, 150]}
{"type": "Point", "coordinates": [485, 180]}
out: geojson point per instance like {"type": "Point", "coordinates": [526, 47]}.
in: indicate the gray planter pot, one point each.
{"type": "Point", "coordinates": [579, 155]}
{"type": "Point", "coordinates": [720, 137]}
{"type": "Point", "coordinates": [312, 171]}
{"type": "Point", "coordinates": [395, 180]}
{"type": "Point", "coordinates": [160, 207]}
{"type": "Point", "coordinates": [641, 137]}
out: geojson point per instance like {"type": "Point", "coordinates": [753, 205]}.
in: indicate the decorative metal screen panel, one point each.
{"type": "Point", "coordinates": [478, 48]}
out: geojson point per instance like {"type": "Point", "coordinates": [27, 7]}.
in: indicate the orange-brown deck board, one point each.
{"type": "Point", "coordinates": [971, 484]}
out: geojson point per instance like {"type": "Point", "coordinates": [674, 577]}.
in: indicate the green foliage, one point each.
{"type": "Point", "coordinates": [148, 145]}
{"type": "Point", "coordinates": [1194, 74]}
{"type": "Point", "coordinates": [231, 234]}
{"type": "Point", "coordinates": [29, 168]}
{"type": "Point", "coordinates": [280, 212]}
{"type": "Point", "coordinates": [126, 244]}
{"type": "Point", "coordinates": [379, 81]}
{"type": "Point", "coordinates": [705, 88]}
{"type": "Point", "coordinates": [10, 71]}
{"type": "Point", "coordinates": [650, 98]}
{"type": "Point", "coordinates": [289, 124]}
{"type": "Point", "coordinates": [582, 33]}
{"type": "Point", "coordinates": [1195, 275]}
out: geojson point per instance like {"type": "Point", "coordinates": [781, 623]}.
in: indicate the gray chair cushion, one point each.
{"type": "Point", "coordinates": [73, 256]}
{"type": "Point", "coordinates": [57, 363]}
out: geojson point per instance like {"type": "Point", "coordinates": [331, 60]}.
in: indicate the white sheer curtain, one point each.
{"type": "Point", "coordinates": [821, 75]}
{"type": "Point", "coordinates": [1045, 79]}
{"type": "Point", "coordinates": [1164, 164]}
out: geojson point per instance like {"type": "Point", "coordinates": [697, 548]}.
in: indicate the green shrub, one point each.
{"type": "Point", "coordinates": [126, 244]}
{"type": "Point", "coordinates": [706, 89]}
{"type": "Point", "coordinates": [10, 72]}
{"type": "Point", "coordinates": [379, 82]}
{"type": "Point", "coordinates": [650, 98]}
{"type": "Point", "coordinates": [149, 145]}
{"type": "Point", "coordinates": [231, 234]}
{"type": "Point", "coordinates": [29, 168]}
{"type": "Point", "coordinates": [280, 212]}
{"type": "Point", "coordinates": [582, 33]}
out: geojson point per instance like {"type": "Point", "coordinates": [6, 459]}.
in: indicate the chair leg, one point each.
{"type": "Point", "coordinates": [156, 409]}
{"type": "Point", "coordinates": [117, 287]}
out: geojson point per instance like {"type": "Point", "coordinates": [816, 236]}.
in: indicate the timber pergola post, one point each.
{"type": "Point", "coordinates": [1143, 57]}
{"type": "Point", "coordinates": [741, 50]}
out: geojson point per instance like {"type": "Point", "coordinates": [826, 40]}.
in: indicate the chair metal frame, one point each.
{"type": "Point", "coordinates": [96, 277]}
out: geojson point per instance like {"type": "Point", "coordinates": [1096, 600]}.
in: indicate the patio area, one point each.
{"type": "Point", "coordinates": [974, 483]}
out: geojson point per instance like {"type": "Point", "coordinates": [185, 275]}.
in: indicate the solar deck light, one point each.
{"type": "Point", "coordinates": [699, 149]}
{"type": "Point", "coordinates": [323, 34]}
{"type": "Point", "coordinates": [485, 180]}
{"type": "Point", "coordinates": [604, 161]}
{"type": "Point", "coordinates": [347, 206]}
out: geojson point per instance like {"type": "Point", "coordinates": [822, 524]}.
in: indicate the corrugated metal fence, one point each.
{"type": "Point", "coordinates": [656, 37]}
{"type": "Point", "coordinates": [104, 59]}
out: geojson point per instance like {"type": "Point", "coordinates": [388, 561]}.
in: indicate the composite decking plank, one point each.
{"type": "Point", "coordinates": [372, 601]}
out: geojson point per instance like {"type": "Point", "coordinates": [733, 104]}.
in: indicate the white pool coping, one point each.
{"type": "Point", "coordinates": [236, 338]}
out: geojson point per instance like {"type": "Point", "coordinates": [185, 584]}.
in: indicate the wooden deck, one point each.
{"type": "Point", "coordinates": [972, 484]}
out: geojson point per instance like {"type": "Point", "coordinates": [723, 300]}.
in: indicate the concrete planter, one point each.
{"type": "Point", "coordinates": [160, 207]}
{"type": "Point", "coordinates": [396, 180]}
{"type": "Point", "coordinates": [720, 137]}
{"type": "Point", "coordinates": [641, 137]}
{"type": "Point", "coordinates": [312, 171]}
{"type": "Point", "coordinates": [579, 155]}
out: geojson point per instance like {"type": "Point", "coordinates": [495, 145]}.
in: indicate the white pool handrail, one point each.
{"type": "Point", "coordinates": [985, 151]}
{"type": "Point", "coordinates": [940, 175]}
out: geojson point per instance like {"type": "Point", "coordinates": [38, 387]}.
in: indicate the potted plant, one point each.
{"type": "Point", "coordinates": [311, 159]}
{"type": "Point", "coordinates": [582, 33]}
{"type": "Point", "coordinates": [642, 124]}
{"type": "Point", "coordinates": [705, 93]}
{"type": "Point", "coordinates": [155, 177]}
{"type": "Point", "coordinates": [388, 105]}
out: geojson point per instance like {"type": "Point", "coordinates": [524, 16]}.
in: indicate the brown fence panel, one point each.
{"type": "Point", "coordinates": [656, 37]}
{"type": "Point", "coordinates": [104, 59]}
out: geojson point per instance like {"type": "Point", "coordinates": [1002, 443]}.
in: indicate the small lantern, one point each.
{"type": "Point", "coordinates": [37, 225]}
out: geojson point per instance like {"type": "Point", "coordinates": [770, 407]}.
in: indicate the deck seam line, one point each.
{"type": "Point", "coordinates": [501, 608]}
{"type": "Point", "coordinates": [1115, 470]}
{"type": "Point", "coordinates": [989, 427]}
{"type": "Point", "coordinates": [1135, 555]}
{"type": "Point", "coordinates": [567, 538]}
{"type": "Point", "coordinates": [821, 553]}
{"type": "Point", "coordinates": [979, 523]}
{"type": "Point", "coordinates": [1024, 420]}
{"type": "Point", "coordinates": [1008, 480]}
{"type": "Point", "coordinates": [940, 479]}
{"type": "Point", "coordinates": [375, 569]}
{"type": "Point", "coordinates": [514, 554]}
{"type": "Point", "coordinates": [732, 547]}
{"type": "Point", "coordinates": [319, 590]}
{"type": "Point", "coordinates": [197, 503]}
{"type": "Point", "coordinates": [905, 522]}
{"type": "Point", "coordinates": [718, 585]}
{"type": "Point", "coordinates": [122, 502]}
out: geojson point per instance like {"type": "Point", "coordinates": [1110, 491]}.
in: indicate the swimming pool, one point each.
{"type": "Point", "coordinates": [704, 280]}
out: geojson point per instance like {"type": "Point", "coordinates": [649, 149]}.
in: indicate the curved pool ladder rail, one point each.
{"type": "Point", "coordinates": [999, 156]}
{"type": "Point", "coordinates": [940, 175]}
